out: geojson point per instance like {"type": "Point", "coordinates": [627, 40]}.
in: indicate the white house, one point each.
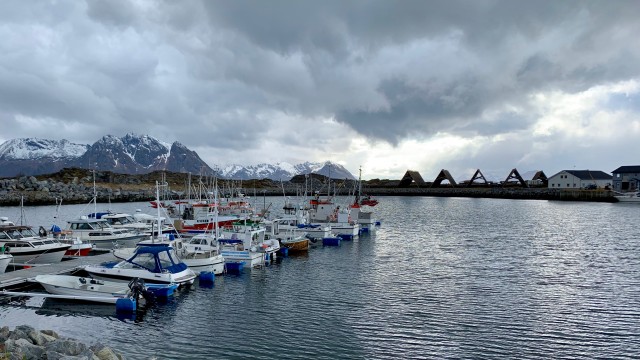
{"type": "Point", "coordinates": [580, 179]}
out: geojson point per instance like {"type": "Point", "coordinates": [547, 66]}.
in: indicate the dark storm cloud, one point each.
{"type": "Point", "coordinates": [544, 45]}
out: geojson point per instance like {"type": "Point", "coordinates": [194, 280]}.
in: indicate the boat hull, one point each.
{"type": "Point", "coordinates": [38, 256]}
{"type": "Point", "coordinates": [84, 288]}
{"type": "Point", "coordinates": [249, 258]}
{"type": "Point", "coordinates": [5, 259]}
{"type": "Point", "coordinates": [213, 264]}
{"type": "Point", "coordinates": [125, 275]}
{"type": "Point", "coordinates": [297, 245]}
{"type": "Point", "coordinates": [83, 250]}
{"type": "Point", "coordinates": [112, 243]}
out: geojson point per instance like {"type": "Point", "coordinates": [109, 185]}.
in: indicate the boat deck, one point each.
{"type": "Point", "coordinates": [11, 278]}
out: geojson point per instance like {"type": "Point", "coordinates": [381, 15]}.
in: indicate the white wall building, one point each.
{"type": "Point", "coordinates": [580, 179]}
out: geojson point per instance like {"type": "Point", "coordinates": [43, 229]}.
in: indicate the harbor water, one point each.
{"type": "Point", "coordinates": [440, 278]}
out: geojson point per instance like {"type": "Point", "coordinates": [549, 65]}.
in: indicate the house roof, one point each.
{"type": "Point", "coordinates": [627, 169]}
{"type": "Point", "coordinates": [590, 174]}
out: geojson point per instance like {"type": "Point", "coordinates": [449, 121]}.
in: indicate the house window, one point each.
{"type": "Point", "coordinates": [568, 185]}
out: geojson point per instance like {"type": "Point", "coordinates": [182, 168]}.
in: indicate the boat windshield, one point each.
{"type": "Point", "coordinates": [18, 233]}
{"type": "Point", "coordinates": [120, 220]}
{"type": "Point", "coordinates": [146, 261]}
{"type": "Point", "coordinates": [197, 241]}
{"type": "Point", "coordinates": [167, 258]}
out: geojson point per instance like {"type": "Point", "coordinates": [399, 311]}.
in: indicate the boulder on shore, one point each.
{"type": "Point", "coordinates": [25, 342]}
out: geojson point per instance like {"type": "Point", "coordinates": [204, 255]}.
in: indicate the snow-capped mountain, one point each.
{"type": "Point", "coordinates": [137, 154]}
{"type": "Point", "coordinates": [31, 148]}
{"type": "Point", "coordinates": [285, 171]}
{"type": "Point", "coordinates": [37, 156]}
{"type": "Point", "coordinates": [130, 154]}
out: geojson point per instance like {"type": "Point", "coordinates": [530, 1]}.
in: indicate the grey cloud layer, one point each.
{"type": "Point", "coordinates": [388, 69]}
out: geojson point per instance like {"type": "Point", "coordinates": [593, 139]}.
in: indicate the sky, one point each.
{"type": "Point", "coordinates": [385, 85]}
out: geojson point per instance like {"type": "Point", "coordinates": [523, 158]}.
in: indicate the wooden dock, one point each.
{"type": "Point", "coordinates": [12, 278]}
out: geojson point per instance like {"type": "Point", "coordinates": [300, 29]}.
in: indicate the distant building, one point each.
{"type": "Point", "coordinates": [626, 178]}
{"type": "Point", "coordinates": [580, 179]}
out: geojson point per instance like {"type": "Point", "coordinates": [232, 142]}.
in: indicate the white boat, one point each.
{"type": "Point", "coordinates": [288, 234]}
{"type": "Point", "coordinates": [5, 259]}
{"type": "Point", "coordinates": [27, 247]}
{"type": "Point", "coordinates": [326, 212]}
{"type": "Point", "coordinates": [629, 197]}
{"type": "Point", "coordinates": [101, 235]}
{"type": "Point", "coordinates": [200, 253]}
{"type": "Point", "coordinates": [85, 288]}
{"type": "Point", "coordinates": [153, 264]}
{"type": "Point", "coordinates": [242, 243]}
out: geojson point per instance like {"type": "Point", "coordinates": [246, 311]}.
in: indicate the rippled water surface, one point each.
{"type": "Point", "coordinates": [441, 278]}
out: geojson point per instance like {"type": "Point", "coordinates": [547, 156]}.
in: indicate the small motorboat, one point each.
{"type": "Point", "coordinates": [153, 264]}
{"type": "Point", "coordinates": [103, 291]}
{"type": "Point", "coordinates": [28, 247]}
{"type": "Point", "coordinates": [85, 288]}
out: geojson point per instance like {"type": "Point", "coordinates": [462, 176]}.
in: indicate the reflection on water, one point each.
{"type": "Point", "coordinates": [441, 278]}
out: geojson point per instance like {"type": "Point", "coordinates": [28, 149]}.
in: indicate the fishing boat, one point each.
{"type": "Point", "coordinates": [27, 247]}
{"type": "Point", "coordinates": [243, 243]}
{"type": "Point", "coordinates": [360, 209]}
{"type": "Point", "coordinates": [288, 234]}
{"type": "Point", "coordinates": [153, 264]}
{"type": "Point", "coordinates": [326, 212]}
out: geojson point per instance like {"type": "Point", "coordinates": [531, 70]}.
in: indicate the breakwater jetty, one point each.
{"type": "Point", "coordinates": [76, 186]}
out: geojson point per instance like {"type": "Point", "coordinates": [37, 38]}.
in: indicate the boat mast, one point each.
{"type": "Point", "coordinates": [95, 195]}
{"type": "Point", "coordinates": [158, 207]}
{"type": "Point", "coordinates": [215, 209]}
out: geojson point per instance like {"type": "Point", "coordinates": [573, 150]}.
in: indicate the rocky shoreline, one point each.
{"type": "Point", "coordinates": [25, 342]}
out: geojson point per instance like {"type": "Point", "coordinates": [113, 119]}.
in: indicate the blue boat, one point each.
{"type": "Point", "coordinates": [153, 264]}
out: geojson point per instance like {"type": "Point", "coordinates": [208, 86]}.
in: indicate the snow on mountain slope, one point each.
{"type": "Point", "coordinates": [33, 148]}
{"type": "Point", "coordinates": [134, 154]}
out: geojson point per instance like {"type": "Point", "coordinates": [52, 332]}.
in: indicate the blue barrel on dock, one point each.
{"type": "Point", "coordinates": [331, 241]}
{"type": "Point", "coordinates": [234, 267]}
{"type": "Point", "coordinates": [125, 305]}
{"type": "Point", "coordinates": [206, 278]}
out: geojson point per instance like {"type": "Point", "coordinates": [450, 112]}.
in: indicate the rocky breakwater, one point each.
{"type": "Point", "coordinates": [75, 191]}
{"type": "Point", "coordinates": [25, 342]}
